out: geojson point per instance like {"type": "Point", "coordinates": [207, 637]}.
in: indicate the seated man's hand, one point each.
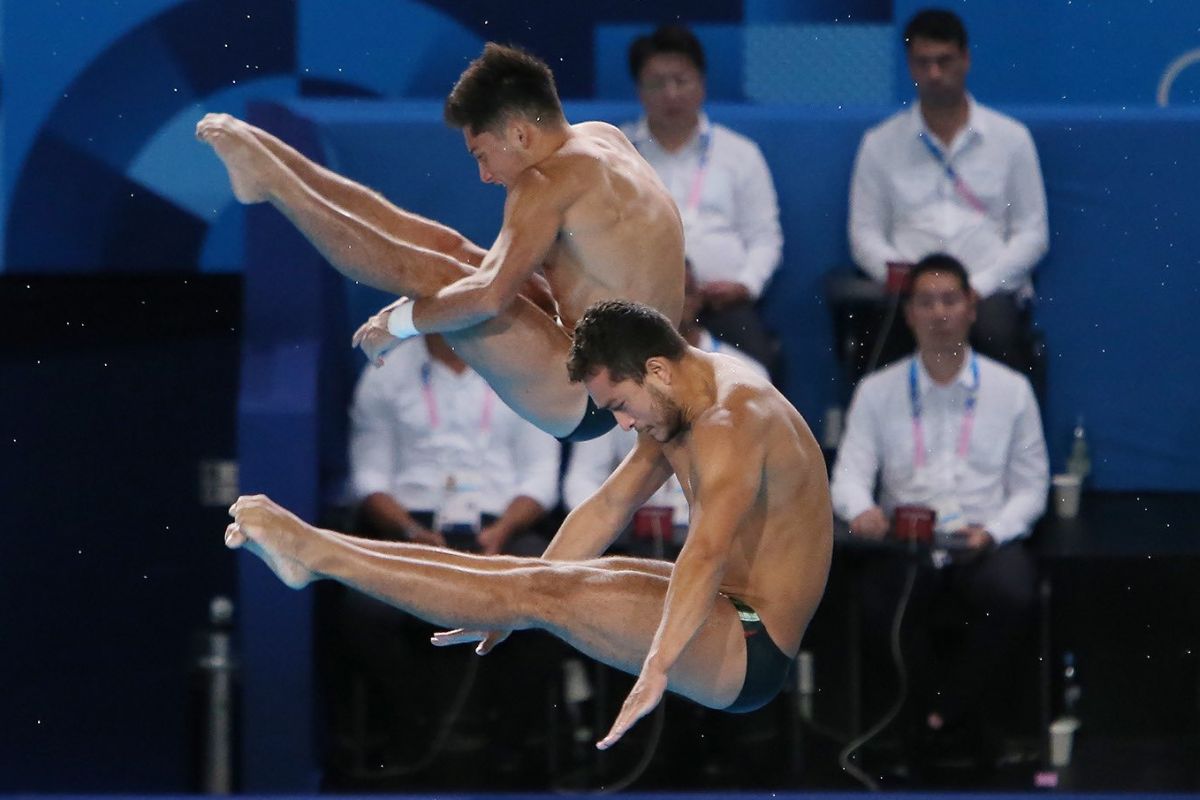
{"type": "Point", "coordinates": [487, 639]}
{"type": "Point", "coordinates": [492, 539]}
{"type": "Point", "coordinates": [419, 534]}
{"type": "Point", "coordinates": [870, 524]}
{"type": "Point", "coordinates": [373, 335]}
{"type": "Point", "coordinates": [719, 294]}
{"type": "Point", "coordinates": [975, 537]}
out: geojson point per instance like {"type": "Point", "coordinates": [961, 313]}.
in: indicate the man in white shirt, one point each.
{"type": "Point", "coordinates": [954, 431]}
{"type": "Point", "coordinates": [436, 458]}
{"type": "Point", "coordinates": [718, 178]}
{"type": "Point", "coordinates": [949, 175]}
{"type": "Point", "coordinates": [434, 451]}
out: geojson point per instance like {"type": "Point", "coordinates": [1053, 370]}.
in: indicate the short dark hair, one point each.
{"type": "Point", "coordinates": [620, 335]}
{"type": "Point", "coordinates": [937, 262]}
{"type": "Point", "coordinates": [937, 24]}
{"type": "Point", "coordinates": [501, 82]}
{"type": "Point", "coordinates": [667, 39]}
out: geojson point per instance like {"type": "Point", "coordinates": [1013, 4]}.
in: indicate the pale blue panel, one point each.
{"type": "Point", "coordinates": [722, 50]}
{"type": "Point", "coordinates": [820, 64]}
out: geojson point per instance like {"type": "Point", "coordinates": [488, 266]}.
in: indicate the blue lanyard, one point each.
{"type": "Point", "coordinates": [938, 155]}
{"type": "Point", "coordinates": [968, 421]}
{"type": "Point", "coordinates": [960, 185]}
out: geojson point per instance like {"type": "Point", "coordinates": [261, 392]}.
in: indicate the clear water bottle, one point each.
{"type": "Point", "coordinates": [1079, 462]}
{"type": "Point", "coordinates": [1071, 691]}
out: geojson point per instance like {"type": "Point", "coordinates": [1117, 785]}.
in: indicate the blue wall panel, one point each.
{"type": "Point", "coordinates": [1073, 52]}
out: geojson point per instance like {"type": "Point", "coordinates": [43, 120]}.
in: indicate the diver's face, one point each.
{"type": "Point", "coordinates": [499, 155]}
{"type": "Point", "coordinates": [637, 406]}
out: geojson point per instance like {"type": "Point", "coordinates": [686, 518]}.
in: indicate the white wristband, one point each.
{"type": "Point", "coordinates": [400, 321]}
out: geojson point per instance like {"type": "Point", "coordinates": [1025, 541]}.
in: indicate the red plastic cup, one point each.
{"type": "Point", "coordinates": [654, 522]}
{"type": "Point", "coordinates": [913, 524]}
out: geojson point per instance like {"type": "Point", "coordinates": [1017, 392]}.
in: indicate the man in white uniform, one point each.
{"type": "Point", "coordinates": [954, 431]}
{"type": "Point", "coordinates": [720, 181]}
{"type": "Point", "coordinates": [949, 175]}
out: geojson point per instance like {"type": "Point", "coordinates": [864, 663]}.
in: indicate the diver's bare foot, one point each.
{"type": "Point", "coordinates": [243, 155]}
{"type": "Point", "coordinates": [272, 533]}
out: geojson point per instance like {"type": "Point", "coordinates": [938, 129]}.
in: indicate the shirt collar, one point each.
{"type": "Point", "coordinates": [641, 133]}
{"type": "Point", "coordinates": [964, 378]}
{"type": "Point", "coordinates": [976, 122]}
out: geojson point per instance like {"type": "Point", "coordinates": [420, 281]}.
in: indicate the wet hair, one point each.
{"type": "Point", "coordinates": [937, 24]}
{"type": "Point", "coordinates": [620, 335]}
{"type": "Point", "coordinates": [937, 262]}
{"type": "Point", "coordinates": [502, 82]}
{"type": "Point", "coordinates": [667, 39]}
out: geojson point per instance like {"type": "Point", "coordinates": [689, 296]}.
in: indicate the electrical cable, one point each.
{"type": "Point", "coordinates": [885, 331]}
{"type": "Point", "coordinates": [901, 677]}
{"type": "Point", "coordinates": [445, 727]}
{"type": "Point", "coordinates": [658, 723]}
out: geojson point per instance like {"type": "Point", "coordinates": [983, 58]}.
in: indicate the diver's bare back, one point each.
{"type": "Point", "coordinates": [621, 237]}
{"type": "Point", "coordinates": [782, 549]}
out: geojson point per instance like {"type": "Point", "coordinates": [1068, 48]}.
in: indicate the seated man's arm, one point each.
{"type": "Point", "coordinates": [1028, 228]}
{"type": "Point", "coordinates": [852, 489]}
{"type": "Point", "coordinates": [870, 217]}
{"type": "Point", "coordinates": [1026, 475]}
{"type": "Point", "coordinates": [591, 463]}
{"type": "Point", "coordinates": [758, 225]}
{"type": "Point", "coordinates": [534, 456]}
{"type": "Point", "coordinates": [727, 457]}
{"type": "Point", "coordinates": [593, 525]}
{"type": "Point", "coordinates": [521, 513]}
{"type": "Point", "coordinates": [375, 445]}
{"type": "Point", "coordinates": [533, 216]}
{"type": "Point", "coordinates": [384, 515]}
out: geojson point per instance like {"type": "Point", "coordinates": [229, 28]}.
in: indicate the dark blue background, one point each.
{"type": "Point", "coordinates": [107, 201]}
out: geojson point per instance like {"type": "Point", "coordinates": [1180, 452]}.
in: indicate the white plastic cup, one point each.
{"type": "Point", "coordinates": [1062, 737]}
{"type": "Point", "coordinates": [1067, 488]}
{"type": "Point", "coordinates": [831, 432]}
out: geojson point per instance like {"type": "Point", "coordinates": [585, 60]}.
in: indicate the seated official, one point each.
{"type": "Point", "coordinates": [952, 175]}
{"type": "Point", "coordinates": [435, 458]}
{"type": "Point", "coordinates": [720, 182]}
{"type": "Point", "coordinates": [431, 441]}
{"type": "Point", "coordinates": [958, 433]}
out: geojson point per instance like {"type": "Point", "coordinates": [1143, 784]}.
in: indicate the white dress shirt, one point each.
{"type": "Point", "coordinates": [1003, 481]}
{"type": "Point", "coordinates": [904, 205]}
{"type": "Point", "coordinates": [426, 435]}
{"type": "Point", "coordinates": [594, 460]}
{"type": "Point", "coordinates": [731, 231]}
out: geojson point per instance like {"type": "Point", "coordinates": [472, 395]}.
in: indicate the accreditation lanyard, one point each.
{"type": "Point", "coordinates": [918, 427]}
{"type": "Point", "coordinates": [960, 185]}
{"type": "Point", "coordinates": [693, 198]}
{"type": "Point", "coordinates": [485, 418]}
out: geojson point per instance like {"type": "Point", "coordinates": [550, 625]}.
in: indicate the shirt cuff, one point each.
{"type": "Point", "coordinates": [1003, 531]}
